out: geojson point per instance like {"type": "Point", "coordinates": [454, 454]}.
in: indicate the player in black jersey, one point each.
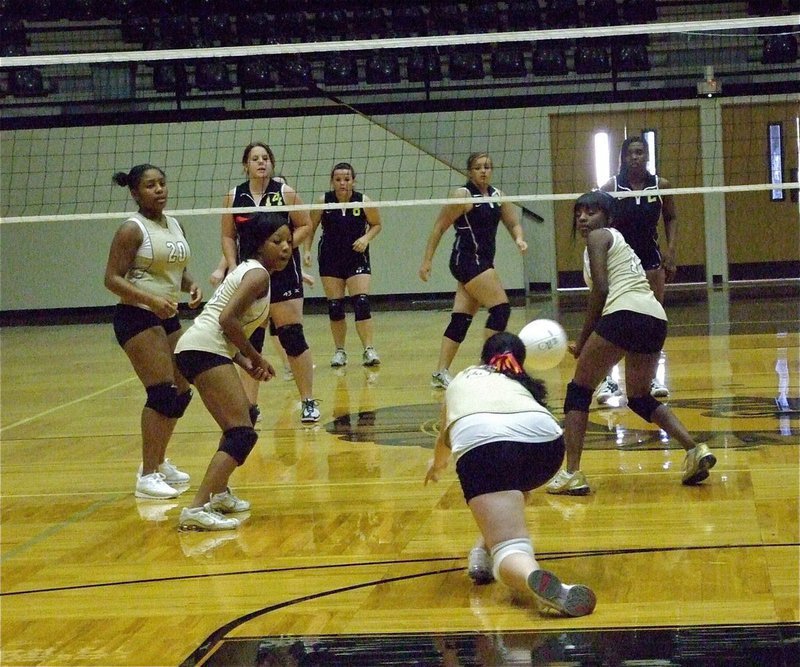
{"type": "Point", "coordinates": [637, 219]}
{"type": "Point", "coordinates": [286, 300]}
{"type": "Point", "coordinates": [344, 264]}
{"type": "Point", "coordinates": [472, 259]}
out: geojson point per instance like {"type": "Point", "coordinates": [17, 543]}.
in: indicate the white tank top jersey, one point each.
{"type": "Point", "coordinates": [628, 288]}
{"type": "Point", "coordinates": [206, 335]}
{"type": "Point", "coordinates": [485, 406]}
{"type": "Point", "coordinates": [160, 259]}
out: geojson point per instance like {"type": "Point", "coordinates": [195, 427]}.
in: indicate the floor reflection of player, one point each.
{"type": "Point", "coordinates": [786, 407]}
{"type": "Point", "coordinates": [343, 414]}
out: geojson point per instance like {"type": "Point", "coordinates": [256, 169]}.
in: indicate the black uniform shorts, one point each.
{"type": "Point", "coordinates": [193, 362]}
{"type": "Point", "coordinates": [287, 284]}
{"type": "Point", "coordinates": [344, 264]}
{"type": "Point", "coordinates": [633, 332]}
{"type": "Point", "coordinates": [463, 271]}
{"type": "Point", "coordinates": [132, 320]}
{"type": "Point", "coordinates": [508, 466]}
{"type": "Point", "coordinates": [649, 254]}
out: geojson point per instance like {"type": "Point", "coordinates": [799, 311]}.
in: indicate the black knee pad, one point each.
{"type": "Point", "coordinates": [644, 406]}
{"type": "Point", "coordinates": [292, 339]}
{"type": "Point", "coordinates": [182, 402]}
{"type": "Point", "coordinates": [238, 442]}
{"type": "Point", "coordinates": [458, 327]}
{"type": "Point", "coordinates": [336, 310]}
{"type": "Point", "coordinates": [577, 398]}
{"type": "Point", "coordinates": [361, 307]}
{"type": "Point", "coordinates": [498, 317]}
{"type": "Point", "coordinates": [161, 398]}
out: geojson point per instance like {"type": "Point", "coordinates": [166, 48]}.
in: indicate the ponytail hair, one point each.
{"type": "Point", "coordinates": [132, 179]}
{"type": "Point", "coordinates": [505, 353]}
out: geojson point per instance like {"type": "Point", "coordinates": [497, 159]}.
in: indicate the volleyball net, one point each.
{"type": "Point", "coordinates": [406, 112]}
{"type": "Point", "coordinates": [551, 107]}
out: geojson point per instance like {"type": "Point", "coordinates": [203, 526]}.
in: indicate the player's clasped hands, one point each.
{"type": "Point", "coordinates": [195, 296]}
{"type": "Point", "coordinates": [260, 369]}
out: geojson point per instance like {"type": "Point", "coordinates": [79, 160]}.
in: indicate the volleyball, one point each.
{"type": "Point", "coordinates": [545, 344]}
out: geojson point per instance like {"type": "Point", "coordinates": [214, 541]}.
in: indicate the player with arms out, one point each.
{"type": "Point", "coordinates": [495, 424]}
{"type": "Point", "coordinates": [206, 354]}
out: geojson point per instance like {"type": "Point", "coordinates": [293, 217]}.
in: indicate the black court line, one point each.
{"type": "Point", "coordinates": [544, 557]}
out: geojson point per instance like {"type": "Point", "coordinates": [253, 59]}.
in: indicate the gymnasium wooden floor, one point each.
{"type": "Point", "coordinates": [347, 559]}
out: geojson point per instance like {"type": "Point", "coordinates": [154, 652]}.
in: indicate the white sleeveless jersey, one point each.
{"type": "Point", "coordinates": [160, 259]}
{"type": "Point", "coordinates": [628, 288]}
{"type": "Point", "coordinates": [206, 334]}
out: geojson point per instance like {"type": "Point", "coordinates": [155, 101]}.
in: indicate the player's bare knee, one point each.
{"type": "Point", "coordinates": [361, 308]}
{"type": "Point", "coordinates": [644, 406]}
{"type": "Point", "coordinates": [578, 398]}
{"type": "Point", "coordinates": [498, 317]}
{"type": "Point", "coordinates": [292, 339]}
{"type": "Point", "coordinates": [458, 327]}
{"type": "Point", "coordinates": [238, 442]}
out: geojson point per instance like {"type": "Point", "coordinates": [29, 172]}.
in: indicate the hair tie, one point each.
{"type": "Point", "coordinates": [505, 361]}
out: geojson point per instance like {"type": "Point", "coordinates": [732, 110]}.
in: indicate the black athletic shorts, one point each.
{"type": "Point", "coordinates": [633, 332]}
{"type": "Point", "coordinates": [649, 254]}
{"type": "Point", "coordinates": [287, 284]}
{"type": "Point", "coordinates": [132, 320]}
{"type": "Point", "coordinates": [258, 336]}
{"type": "Point", "coordinates": [344, 265]}
{"type": "Point", "coordinates": [463, 271]}
{"type": "Point", "coordinates": [507, 466]}
{"type": "Point", "coordinates": [193, 362]}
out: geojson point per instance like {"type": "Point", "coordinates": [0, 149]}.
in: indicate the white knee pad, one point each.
{"type": "Point", "coordinates": [502, 550]}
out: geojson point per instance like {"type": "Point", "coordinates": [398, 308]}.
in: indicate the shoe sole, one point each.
{"type": "Point", "coordinates": [226, 510]}
{"type": "Point", "coordinates": [703, 466]}
{"type": "Point", "coordinates": [204, 529]}
{"type": "Point", "coordinates": [546, 587]}
{"type": "Point", "coordinates": [480, 577]}
{"type": "Point", "coordinates": [580, 491]}
{"type": "Point", "coordinates": [147, 496]}
{"type": "Point", "coordinates": [372, 363]}
{"type": "Point", "coordinates": [660, 393]}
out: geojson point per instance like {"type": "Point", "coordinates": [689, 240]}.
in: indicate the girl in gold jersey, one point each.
{"type": "Point", "coordinates": [147, 269]}
{"type": "Point", "coordinates": [623, 320]}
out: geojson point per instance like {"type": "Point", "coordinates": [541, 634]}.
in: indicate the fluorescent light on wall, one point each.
{"type": "Point", "coordinates": [602, 158]}
{"type": "Point", "coordinates": [775, 133]}
{"type": "Point", "coordinates": [650, 137]}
